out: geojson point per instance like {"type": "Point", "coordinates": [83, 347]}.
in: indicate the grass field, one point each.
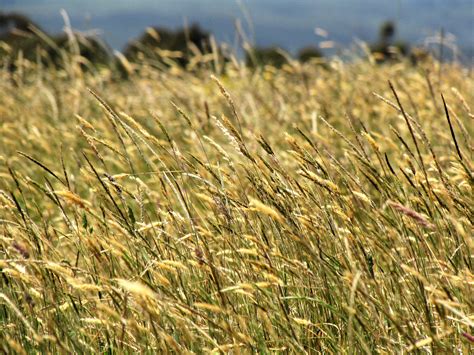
{"type": "Point", "coordinates": [225, 210]}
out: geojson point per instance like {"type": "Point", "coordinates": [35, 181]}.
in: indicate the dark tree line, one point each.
{"type": "Point", "coordinates": [22, 35]}
{"type": "Point", "coordinates": [184, 42]}
{"type": "Point", "coordinates": [387, 47]}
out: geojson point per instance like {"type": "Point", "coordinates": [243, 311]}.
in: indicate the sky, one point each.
{"type": "Point", "coordinates": [289, 24]}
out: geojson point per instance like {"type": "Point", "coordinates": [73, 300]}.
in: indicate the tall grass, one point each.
{"type": "Point", "coordinates": [303, 210]}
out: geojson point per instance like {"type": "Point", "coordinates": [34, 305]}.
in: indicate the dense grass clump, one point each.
{"type": "Point", "coordinates": [221, 209]}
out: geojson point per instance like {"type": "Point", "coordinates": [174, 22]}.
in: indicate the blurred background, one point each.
{"type": "Point", "coordinates": [288, 24]}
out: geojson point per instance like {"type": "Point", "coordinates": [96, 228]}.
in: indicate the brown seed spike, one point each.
{"type": "Point", "coordinates": [21, 249]}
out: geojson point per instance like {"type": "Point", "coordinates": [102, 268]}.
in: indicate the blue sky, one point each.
{"type": "Point", "coordinates": [287, 23]}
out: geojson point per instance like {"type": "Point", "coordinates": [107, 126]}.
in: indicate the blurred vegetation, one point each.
{"type": "Point", "coordinates": [259, 56]}
{"type": "Point", "coordinates": [277, 57]}
{"type": "Point", "coordinates": [388, 47]}
{"type": "Point", "coordinates": [160, 42]}
{"type": "Point", "coordinates": [309, 53]}
{"type": "Point", "coordinates": [21, 38]}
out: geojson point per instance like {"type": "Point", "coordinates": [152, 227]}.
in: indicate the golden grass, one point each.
{"type": "Point", "coordinates": [308, 209]}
